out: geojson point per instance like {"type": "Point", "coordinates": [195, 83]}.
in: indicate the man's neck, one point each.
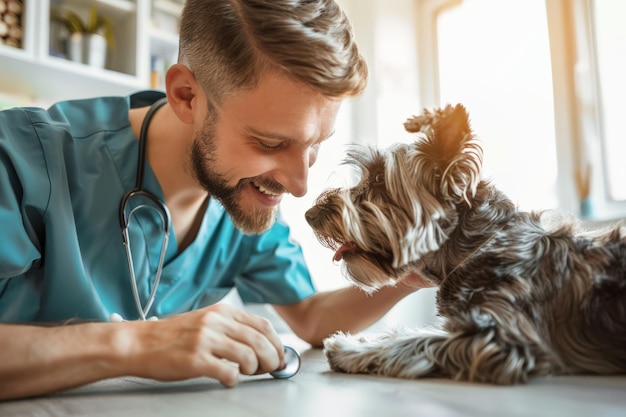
{"type": "Point", "coordinates": [169, 141]}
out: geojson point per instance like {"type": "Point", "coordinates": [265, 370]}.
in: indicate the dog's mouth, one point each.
{"type": "Point", "coordinates": [339, 246]}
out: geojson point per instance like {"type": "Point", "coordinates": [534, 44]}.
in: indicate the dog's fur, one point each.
{"type": "Point", "coordinates": [518, 297]}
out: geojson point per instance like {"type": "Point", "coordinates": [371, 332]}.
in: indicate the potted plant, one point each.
{"type": "Point", "coordinates": [87, 42]}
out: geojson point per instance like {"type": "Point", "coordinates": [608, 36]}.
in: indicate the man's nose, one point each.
{"type": "Point", "coordinates": [296, 175]}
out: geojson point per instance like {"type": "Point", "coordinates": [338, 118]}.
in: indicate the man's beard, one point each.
{"type": "Point", "coordinates": [203, 157]}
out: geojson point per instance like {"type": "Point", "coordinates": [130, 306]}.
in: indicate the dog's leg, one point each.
{"type": "Point", "coordinates": [403, 354]}
{"type": "Point", "coordinates": [492, 354]}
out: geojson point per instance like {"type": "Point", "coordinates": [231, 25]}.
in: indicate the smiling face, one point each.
{"type": "Point", "coordinates": [259, 144]}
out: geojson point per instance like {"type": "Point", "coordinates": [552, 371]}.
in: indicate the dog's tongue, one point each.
{"type": "Point", "coordinates": [345, 247]}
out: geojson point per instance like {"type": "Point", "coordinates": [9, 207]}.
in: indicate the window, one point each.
{"type": "Point", "coordinates": [587, 46]}
{"type": "Point", "coordinates": [610, 45]}
{"type": "Point", "coordinates": [494, 58]}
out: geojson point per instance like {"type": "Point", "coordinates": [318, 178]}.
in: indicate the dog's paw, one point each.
{"type": "Point", "coordinates": [335, 348]}
{"type": "Point", "coordinates": [402, 353]}
{"type": "Point", "coordinates": [352, 354]}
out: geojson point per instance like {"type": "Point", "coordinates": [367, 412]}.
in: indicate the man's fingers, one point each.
{"type": "Point", "coordinates": [250, 349]}
{"type": "Point", "coordinates": [262, 325]}
{"type": "Point", "coordinates": [254, 332]}
{"type": "Point", "coordinates": [225, 372]}
{"type": "Point", "coordinates": [220, 336]}
{"type": "Point", "coordinates": [241, 355]}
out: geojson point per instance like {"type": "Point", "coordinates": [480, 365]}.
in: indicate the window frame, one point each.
{"type": "Point", "coordinates": [578, 109]}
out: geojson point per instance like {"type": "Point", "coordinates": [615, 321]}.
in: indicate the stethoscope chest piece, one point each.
{"type": "Point", "coordinates": [292, 360]}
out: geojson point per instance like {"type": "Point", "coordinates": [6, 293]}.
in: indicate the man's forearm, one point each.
{"type": "Point", "coordinates": [205, 342]}
{"type": "Point", "coordinates": [38, 360]}
{"type": "Point", "coordinates": [348, 309]}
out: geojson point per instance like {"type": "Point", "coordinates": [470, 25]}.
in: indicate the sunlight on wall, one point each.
{"type": "Point", "coordinates": [326, 173]}
{"type": "Point", "coordinates": [499, 68]}
{"type": "Point", "coordinates": [395, 74]}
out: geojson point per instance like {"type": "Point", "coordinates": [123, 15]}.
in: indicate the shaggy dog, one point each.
{"type": "Point", "coordinates": [519, 297]}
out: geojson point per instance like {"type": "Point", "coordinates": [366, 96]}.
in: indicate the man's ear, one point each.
{"type": "Point", "coordinates": [183, 92]}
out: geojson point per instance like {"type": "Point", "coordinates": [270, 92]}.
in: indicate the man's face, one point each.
{"type": "Point", "coordinates": [259, 145]}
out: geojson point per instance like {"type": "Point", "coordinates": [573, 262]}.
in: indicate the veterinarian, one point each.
{"type": "Point", "coordinates": [252, 98]}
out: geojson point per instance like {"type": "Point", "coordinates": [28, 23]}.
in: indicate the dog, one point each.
{"type": "Point", "coordinates": [518, 296]}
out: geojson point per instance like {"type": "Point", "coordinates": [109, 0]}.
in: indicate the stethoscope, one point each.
{"type": "Point", "coordinates": [139, 198]}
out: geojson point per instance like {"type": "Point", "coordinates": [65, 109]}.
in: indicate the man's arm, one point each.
{"type": "Point", "coordinates": [348, 309]}
{"type": "Point", "coordinates": [40, 360]}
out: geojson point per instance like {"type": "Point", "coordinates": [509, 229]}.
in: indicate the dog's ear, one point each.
{"type": "Point", "coordinates": [447, 154]}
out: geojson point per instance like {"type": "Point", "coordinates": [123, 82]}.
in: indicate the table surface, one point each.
{"type": "Point", "coordinates": [317, 391]}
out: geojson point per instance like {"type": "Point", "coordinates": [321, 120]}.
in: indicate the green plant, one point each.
{"type": "Point", "coordinates": [95, 24]}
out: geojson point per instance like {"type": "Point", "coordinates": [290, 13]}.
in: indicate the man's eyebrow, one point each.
{"type": "Point", "coordinates": [267, 135]}
{"type": "Point", "coordinates": [277, 136]}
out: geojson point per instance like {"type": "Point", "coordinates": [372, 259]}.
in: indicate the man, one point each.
{"type": "Point", "coordinates": [255, 93]}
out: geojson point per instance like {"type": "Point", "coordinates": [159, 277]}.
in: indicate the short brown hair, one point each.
{"type": "Point", "coordinates": [227, 44]}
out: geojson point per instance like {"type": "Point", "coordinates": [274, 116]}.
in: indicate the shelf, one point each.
{"type": "Point", "coordinates": [58, 79]}
{"type": "Point", "coordinates": [120, 56]}
{"type": "Point", "coordinates": [17, 53]}
{"type": "Point", "coordinates": [115, 8]}
{"type": "Point", "coordinates": [41, 72]}
{"type": "Point", "coordinates": [168, 6]}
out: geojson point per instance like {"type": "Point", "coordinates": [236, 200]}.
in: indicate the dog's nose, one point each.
{"type": "Point", "coordinates": [311, 214]}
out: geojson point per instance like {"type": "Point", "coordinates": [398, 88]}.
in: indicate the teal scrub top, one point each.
{"type": "Point", "coordinates": [63, 172]}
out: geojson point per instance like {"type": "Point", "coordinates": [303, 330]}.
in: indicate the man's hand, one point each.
{"type": "Point", "coordinates": [415, 282]}
{"type": "Point", "coordinates": [219, 341]}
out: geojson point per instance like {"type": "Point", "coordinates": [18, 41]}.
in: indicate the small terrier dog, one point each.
{"type": "Point", "coordinates": [519, 296]}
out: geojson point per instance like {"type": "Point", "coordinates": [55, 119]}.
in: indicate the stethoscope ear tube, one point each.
{"type": "Point", "coordinates": [143, 140]}
{"type": "Point", "coordinates": [141, 159]}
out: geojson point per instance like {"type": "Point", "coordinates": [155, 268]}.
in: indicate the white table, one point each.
{"type": "Point", "coordinates": [317, 391]}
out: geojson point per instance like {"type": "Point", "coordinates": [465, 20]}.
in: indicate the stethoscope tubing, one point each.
{"type": "Point", "coordinates": [157, 205]}
{"type": "Point", "coordinates": [141, 159]}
